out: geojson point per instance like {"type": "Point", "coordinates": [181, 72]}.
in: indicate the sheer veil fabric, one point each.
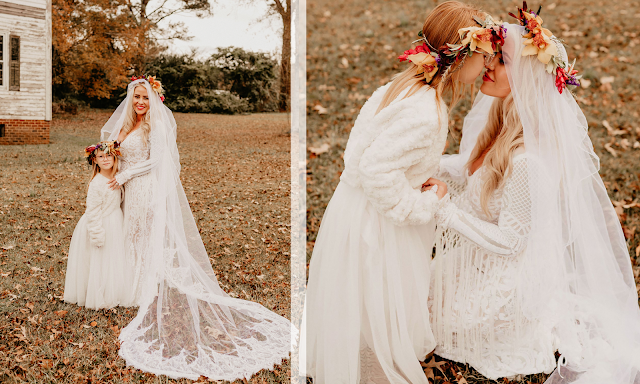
{"type": "Point", "coordinates": [577, 270]}
{"type": "Point", "coordinates": [187, 326]}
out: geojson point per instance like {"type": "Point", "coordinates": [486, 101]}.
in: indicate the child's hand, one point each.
{"type": "Point", "coordinates": [441, 187]}
{"type": "Point", "coordinates": [97, 239]}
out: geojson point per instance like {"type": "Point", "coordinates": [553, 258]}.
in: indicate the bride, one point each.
{"type": "Point", "coordinates": [186, 325]}
{"type": "Point", "coordinates": [365, 318]}
{"type": "Point", "coordinates": [532, 259]}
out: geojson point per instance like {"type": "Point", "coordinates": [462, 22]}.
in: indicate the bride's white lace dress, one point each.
{"type": "Point", "coordinates": [138, 193]}
{"type": "Point", "coordinates": [474, 300]}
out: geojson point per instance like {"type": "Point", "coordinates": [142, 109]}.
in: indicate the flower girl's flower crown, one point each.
{"type": "Point", "coordinates": [108, 147]}
{"type": "Point", "coordinates": [156, 85]}
{"type": "Point", "coordinates": [488, 37]}
{"type": "Point", "coordinates": [541, 42]}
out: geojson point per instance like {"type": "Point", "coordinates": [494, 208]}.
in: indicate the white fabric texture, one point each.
{"type": "Point", "coordinates": [134, 174]}
{"type": "Point", "coordinates": [365, 318]}
{"type": "Point", "coordinates": [186, 325]}
{"type": "Point", "coordinates": [98, 272]}
{"type": "Point", "coordinates": [574, 283]}
{"type": "Point", "coordinates": [474, 300]}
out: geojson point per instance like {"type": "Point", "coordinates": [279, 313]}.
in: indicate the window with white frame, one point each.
{"type": "Point", "coordinates": [2, 60]}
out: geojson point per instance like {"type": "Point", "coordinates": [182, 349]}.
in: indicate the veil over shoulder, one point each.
{"type": "Point", "coordinates": [577, 269]}
{"type": "Point", "coordinates": [187, 326]}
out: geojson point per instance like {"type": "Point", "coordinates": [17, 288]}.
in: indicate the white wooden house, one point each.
{"type": "Point", "coordinates": [25, 71]}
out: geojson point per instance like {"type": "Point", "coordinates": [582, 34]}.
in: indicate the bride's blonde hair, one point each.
{"type": "Point", "coordinates": [130, 119]}
{"type": "Point", "coordinates": [440, 27]}
{"type": "Point", "coordinates": [503, 134]}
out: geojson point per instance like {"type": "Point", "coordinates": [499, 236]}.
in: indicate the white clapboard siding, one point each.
{"type": "Point", "coordinates": [33, 100]}
{"type": "Point", "coordinates": [29, 3]}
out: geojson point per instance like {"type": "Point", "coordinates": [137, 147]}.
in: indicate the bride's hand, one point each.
{"type": "Point", "coordinates": [113, 184]}
{"type": "Point", "coordinates": [440, 191]}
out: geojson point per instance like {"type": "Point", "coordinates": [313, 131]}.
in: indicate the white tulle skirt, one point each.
{"type": "Point", "coordinates": [99, 277]}
{"type": "Point", "coordinates": [366, 311]}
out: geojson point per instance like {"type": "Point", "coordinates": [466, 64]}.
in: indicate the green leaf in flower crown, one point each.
{"type": "Point", "coordinates": [420, 33]}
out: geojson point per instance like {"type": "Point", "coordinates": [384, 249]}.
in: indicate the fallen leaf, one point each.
{"type": "Point", "coordinates": [610, 149]}
{"type": "Point", "coordinates": [319, 150]}
{"type": "Point", "coordinates": [61, 313]}
{"type": "Point", "coordinates": [607, 80]}
{"type": "Point", "coordinates": [611, 131]}
{"type": "Point", "coordinates": [7, 247]}
{"type": "Point", "coordinates": [93, 323]}
{"type": "Point", "coordinates": [320, 109]}
{"type": "Point", "coordinates": [584, 83]}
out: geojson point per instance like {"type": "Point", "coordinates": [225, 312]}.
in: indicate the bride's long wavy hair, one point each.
{"type": "Point", "coordinates": [130, 119]}
{"type": "Point", "coordinates": [440, 27]}
{"type": "Point", "coordinates": [503, 134]}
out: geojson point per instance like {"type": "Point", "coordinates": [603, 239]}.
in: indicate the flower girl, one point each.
{"type": "Point", "coordinates": [98, 275]}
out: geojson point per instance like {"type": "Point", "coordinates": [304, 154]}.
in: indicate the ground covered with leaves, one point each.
{"type": "Point", "coordinates": [235, 172]}
{"type": "Point", "coordinates": [352, 48]}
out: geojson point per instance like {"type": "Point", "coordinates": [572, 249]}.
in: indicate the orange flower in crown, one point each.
{"type": "Point", "coordinates": [539, 42]}
{"type": "Point", "coordinates": [156, 85]}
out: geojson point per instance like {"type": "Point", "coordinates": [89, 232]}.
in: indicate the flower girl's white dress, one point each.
{"type": "Point", "coordinates": [367, 319]}
{"type": "Point", "coordinates": [98, 274]}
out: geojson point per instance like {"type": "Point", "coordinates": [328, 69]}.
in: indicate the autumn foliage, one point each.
{"type": "Point", "coordinates": [95, 42]}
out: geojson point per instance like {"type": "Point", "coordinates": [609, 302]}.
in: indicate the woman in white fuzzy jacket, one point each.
{"type": "Point", "coordinates": [366, 315]}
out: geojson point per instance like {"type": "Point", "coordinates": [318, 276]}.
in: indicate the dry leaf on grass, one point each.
{"type": "Point", "coordinates": [320, 109]}
{"type": "Point", "coordinates": [611, 131]}
{"type": "Point", "coordinates": [319, 150]}
{"type": "Point", "coordinates": [610, 149]}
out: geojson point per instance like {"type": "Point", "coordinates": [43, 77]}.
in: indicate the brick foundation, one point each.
{"type": "Point", "coordinates": [25, 132]}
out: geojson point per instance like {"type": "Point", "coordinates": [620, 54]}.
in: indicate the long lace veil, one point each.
{"type": "Point", "coordinates": [577, 272]}
{"type": "Point", "coordinates": [187, 326]}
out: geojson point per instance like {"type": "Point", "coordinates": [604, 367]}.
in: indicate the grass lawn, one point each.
{"type": "Point", "coordinates": [352, 48]}
{"type": "Point", "coordinates": [235, 172]}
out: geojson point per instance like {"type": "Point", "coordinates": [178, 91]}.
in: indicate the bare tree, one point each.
{"type": "Point", "coordinates": [150, 13]}
{"type": "Point", "coordinates": [282, 9]}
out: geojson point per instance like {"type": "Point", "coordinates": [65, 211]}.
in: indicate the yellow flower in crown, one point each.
{"type": "Point", "coordinates": [426, 63]}
{"type": "Point", "coordinates": [476, 37]}
{"type": "Point", "coordinates": [538, 40]}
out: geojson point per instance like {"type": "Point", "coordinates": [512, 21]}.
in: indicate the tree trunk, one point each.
{"type": "Point", "coordinates": [285, 62]}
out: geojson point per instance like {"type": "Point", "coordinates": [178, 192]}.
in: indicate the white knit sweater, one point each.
{"type": "Point", "coordinates": [391, 154]}
{"type": "Point", "coordinates": [101, 202]}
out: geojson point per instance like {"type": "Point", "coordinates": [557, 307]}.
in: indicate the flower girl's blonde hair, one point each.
{"type": "Point", "coordinates": [440, 27]}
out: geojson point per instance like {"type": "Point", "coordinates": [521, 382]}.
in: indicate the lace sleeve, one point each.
{"type": "Point", "coordinates": [384, 163]}
{"type": "Point", "coordinates": [146, 166]}
{"type": "Point", "coordinates": [509, 236]}
{"type": "Point", "coordinates": [95, 197]}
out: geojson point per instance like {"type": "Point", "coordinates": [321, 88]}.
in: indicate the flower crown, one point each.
{"type": "Point", "coordinates": [108, 147]}
{"type": "Point", "coordinates": [540, 41]}
{"type": "Point", "coordinates": [489, 37]}
{"type": "Point", "coordinates": [156, 85]}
